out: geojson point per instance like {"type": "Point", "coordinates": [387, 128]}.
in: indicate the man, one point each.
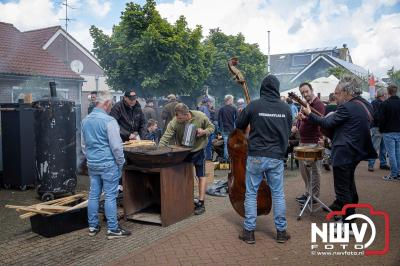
{"type": "Point", "coordinates": [92, 99]}
{"type": "Point", "coordinates": [168, 112]}
{"type": "Point", "coordinates": [389, 125]}
{"type": "Point", "coordinates": [376, 134]}
{"type": "Point", "coordinates": [226, 121]}
{"type": "Point", "coordinates": [197, 156]}
{"type": "Point", "coordinates": [310, 135]}
{"type": "Point", "coordinates": [330, 107]}
{"type": "Point", "coordinates": [351, 142]}
{"type": "Point", "coordinates": [240, 104]}
{"type": "Point", "coordinates": [102, 145]}
{"type": "Point", "coordinates": [293, 107]}
{"type": "Point", "coordinates": [270, 123]}
{"type": "Point", "coordinates": [206, 105]}
{"type": "Point", "coordinates": [148, 111]}
{"type": "Point", "coordinates": [129, 116]}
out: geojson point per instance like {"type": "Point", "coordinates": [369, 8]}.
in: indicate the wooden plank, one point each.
{"type": "Point", "coordinates": [83, 204]}
{"type": "Point", "coordinates": [24, 208]}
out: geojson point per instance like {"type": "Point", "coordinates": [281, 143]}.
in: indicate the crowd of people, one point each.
{"type": "Point", "coordinates": [359, 130]}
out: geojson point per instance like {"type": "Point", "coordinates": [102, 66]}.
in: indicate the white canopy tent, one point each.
{"type": "Point", "coordinates": [323, 86]}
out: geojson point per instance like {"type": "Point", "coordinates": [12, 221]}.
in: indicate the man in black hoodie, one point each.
{"type": "Point", "coordinates": [129, 116]}
{"type": "Point", "coordinates": [270, 122]}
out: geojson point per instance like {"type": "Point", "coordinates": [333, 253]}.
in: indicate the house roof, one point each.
{"type": "Point", "coordinates": [334, 61]}
{"type": "Point", "coordinates": [21, 53]}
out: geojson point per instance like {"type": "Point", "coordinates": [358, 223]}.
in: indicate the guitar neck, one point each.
{"type": "Point", "coordinates": [297, 99]}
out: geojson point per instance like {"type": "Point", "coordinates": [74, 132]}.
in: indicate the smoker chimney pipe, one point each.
{"type": "Point", "coordinates": [53, 90]}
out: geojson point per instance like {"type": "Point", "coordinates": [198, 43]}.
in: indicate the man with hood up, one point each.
{"type": "Point", "coordinates": [270, 122]}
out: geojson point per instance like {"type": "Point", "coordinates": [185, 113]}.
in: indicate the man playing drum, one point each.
{"type": "Point", "coordinates": [310, 134]}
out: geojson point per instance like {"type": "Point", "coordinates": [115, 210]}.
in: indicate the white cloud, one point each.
{"type": "Point", "coordinates": [322, 23]}
{"type": "Point", "coordinates": [29, 14]}
{"type": "Point", "coordinates": [99, 9]}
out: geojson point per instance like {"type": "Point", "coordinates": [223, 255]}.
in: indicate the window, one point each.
{"type": "Point", "coordinates": [301, 60]}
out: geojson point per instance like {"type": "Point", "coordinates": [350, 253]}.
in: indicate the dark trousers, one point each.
{"type": "Point", "coordinates": [345, 187]}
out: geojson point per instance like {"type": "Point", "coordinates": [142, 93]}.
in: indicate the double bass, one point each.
{"type": "Point", "coordinates": [237, 147]}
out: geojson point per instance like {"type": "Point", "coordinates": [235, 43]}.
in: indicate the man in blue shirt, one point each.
{"type": "Point", "coordinates": [102, 146]}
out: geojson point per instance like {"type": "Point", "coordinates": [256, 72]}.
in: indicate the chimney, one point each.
{"type": "Point", "coordinates": [344, 53]}
{"type": "Point", "coordinates": [53, 89]}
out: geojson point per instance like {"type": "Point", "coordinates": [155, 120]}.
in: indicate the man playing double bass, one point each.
{"type": "Point", "coordinates": [270, 124]}
{"type": "Point", "coordinates": [351, 142]}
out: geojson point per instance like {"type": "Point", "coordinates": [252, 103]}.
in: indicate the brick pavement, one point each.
{"type": "Point", "coordinates": [214, 241]}
{"type": "Point", "coordinates": [208, 239]}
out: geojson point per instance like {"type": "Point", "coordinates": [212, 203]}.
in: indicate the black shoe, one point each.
{"type": "Point", "coordinates": [384, 167]}
{"type": "Point", "coordinates": [301, 198]}
{"type": "Point", "coordinates": [370, 168]}
{"type": "Point", "coordinates": [335, 206]}
{"type": "Point", "coordinates": [301, 202]}
{"type": "Point", "coordinates": [199, 208]}
{"type": "Point", "coordinates": [94, 230]}
{"type": "Point", "coordinates": [118, 233]}
{"type": "Point", "coordinates": [247, 236]}
{"type": "Point", "coordinates": [282, 236]}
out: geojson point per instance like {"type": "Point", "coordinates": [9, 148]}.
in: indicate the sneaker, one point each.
{"type": "Point", "coordinates": [339, 228]}
{"type": "Point", "coordinates": [384, 167]}
{"type": "Point", "coordinates": [282, 236]}
{"type": "Point", "coordinates": [390, 178]}
{"type": "Point", "coordinates": [94, 230]}
{"type": "Point", "coordinates": [370, 168]}
{"type": "Point", "coordinates": [247, 236]}
{"type": "Point", "coordinates": [301, 198]}
{"type": "Point", "coordinates": [199, 208]}
{"type": "Point", "coordinates": [119, 232]}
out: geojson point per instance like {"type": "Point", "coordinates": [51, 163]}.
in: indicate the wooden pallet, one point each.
{"type": "Point", "coordinates": [52, 207]}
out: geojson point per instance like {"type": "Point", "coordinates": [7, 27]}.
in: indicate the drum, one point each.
{"type": "Point", "coordinates": [306, 153]}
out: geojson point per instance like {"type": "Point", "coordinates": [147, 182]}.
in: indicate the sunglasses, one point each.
{"type": "Point", "coordinates": [132, 97]}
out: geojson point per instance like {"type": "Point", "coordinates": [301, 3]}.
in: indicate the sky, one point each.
{"type": "Point", "coordinates": [370, 28]}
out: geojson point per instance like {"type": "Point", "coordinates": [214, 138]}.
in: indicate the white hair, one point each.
{"type": "Point", "coordinates": [350, 85]}
{"type": "Point", "coordinates": [228, 97]}
{"type": "Point", "coordinates": [103, 96]}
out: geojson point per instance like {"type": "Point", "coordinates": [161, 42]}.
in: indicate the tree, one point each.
{"type": "Point", "coordinates": [394, 76]}
{"type": "Point", "coordinates": [252, 63]}
{"type": "Point", "coordinates": [338, 72]}
{"type": "Point", "coordinates": [148, 53]}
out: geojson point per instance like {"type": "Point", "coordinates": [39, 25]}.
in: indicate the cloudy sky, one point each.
{"type": "Point", "coordinates": [370, 28]}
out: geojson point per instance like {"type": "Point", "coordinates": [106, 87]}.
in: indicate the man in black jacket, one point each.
{"type": "Point", "coordinates": [376, 135]}
{"type": "Point", "coordinates": [270, 122]}
{"type": "Point", "coordinates": [389, 125]}
{"type": "Point", "coordinates": [226, 121]}
{"type": "Point", "coordinates": [129, 116]}
{"type": "Point", "coordinates": [351, 141]}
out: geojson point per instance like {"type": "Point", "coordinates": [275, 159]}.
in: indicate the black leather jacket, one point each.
{"type": "Point", "coordinates": [130, 119]}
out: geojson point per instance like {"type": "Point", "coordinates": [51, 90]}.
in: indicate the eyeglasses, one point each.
{"type": "Point", "coordinates": [132, 97]}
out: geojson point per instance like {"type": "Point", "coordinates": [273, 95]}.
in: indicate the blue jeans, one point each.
{"type": "Point", "coordinates": [273, 170]}
{"type": "Point", "coordinates": [379, 146]}
{"type": "Point", "coordinates": [225, 136]}
{"type": "Point", "coordinates": [392, 144]}
{"type": "Point", "coordinates": [107, 180]}
{"type": "Point", "coordinates": [208, 149]}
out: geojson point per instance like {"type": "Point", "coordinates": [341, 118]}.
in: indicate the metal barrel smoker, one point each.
{"type": "Point", "coordinates": [55, 130]}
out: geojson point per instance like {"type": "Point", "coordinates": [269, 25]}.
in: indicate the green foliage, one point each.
{"type": "Point", "coordinates": [252, 63]}
{"type": "Point", "coordinates": [339, 72]}
{"type": "Point", "coordinates": [394, 76]}
{"type": "Point", "coordinates": [148, 53]}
